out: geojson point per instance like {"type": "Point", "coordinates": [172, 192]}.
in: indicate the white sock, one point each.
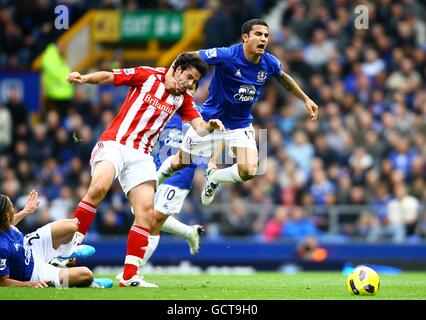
{"type": "Point", "coordinates": [174, 226]}
{"type": "Point", "coordinates": [229, 174]}
{"type": "Point", "coordinates": [165, 171]}
{"type": "Point", "coordinates": [152, 245]}
{"type": "Point", "coordinates": [66, 249]}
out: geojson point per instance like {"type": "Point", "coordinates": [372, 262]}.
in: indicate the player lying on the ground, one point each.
{"type": "Point", "coordinates": [24, 261]}
{"type": "Point", "coordinates": [240, 73]}
{"type": "Point", "coordinates": [124, 149]}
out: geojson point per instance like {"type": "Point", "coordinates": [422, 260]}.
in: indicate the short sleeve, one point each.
{"type": "Point", "coordinates": [4, 262]}
{"type": "Point", "coordinates": [215, 56]}
{"type": "Point", "coordinates": [131, 77]}
{"type": "Point", "coordinates": [276, 65]}
{"type": "Point", "coordinates": [188, 110]}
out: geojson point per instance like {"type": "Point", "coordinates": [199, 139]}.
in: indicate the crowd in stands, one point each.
{"type": "Point", "coordinates": [27, 27]}
{"type": "Point", "coordinates": [359, 173]}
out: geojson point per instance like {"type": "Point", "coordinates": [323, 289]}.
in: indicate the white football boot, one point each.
{"type": "Point", "coordinates": [135, 281]}
{"type": "Point", "coordinates": [194, 239]}
{"type": "Point", "coordinates": [209, 190]}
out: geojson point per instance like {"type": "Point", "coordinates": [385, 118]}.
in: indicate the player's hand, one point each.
{"type": "Point", "coordinates": [37, 284]}
{"type": "Point", "coordinates": [312, 109]}
{"type": "Point", "coordinates": [76, 77]}
{"type": "Point", "coordinates": [215, 124]}
{"type": "Point", "coordinates": [32, 202]}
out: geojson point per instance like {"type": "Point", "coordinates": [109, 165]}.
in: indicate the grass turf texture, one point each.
{"type": "Point", "coordinates": [259, 286]}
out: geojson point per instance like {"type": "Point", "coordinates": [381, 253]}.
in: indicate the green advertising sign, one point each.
{"type": "Point", "coordinates": [145, 25]}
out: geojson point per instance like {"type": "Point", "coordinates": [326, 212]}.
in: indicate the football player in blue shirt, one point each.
{"type": "Point", "coordinates": [240, 72]}
{"type": "Point", "coordinates": [24, 261]}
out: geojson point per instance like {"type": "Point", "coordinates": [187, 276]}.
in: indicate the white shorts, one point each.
{"type": "Point", "coordinates": [205, 146]}
{"type": "Point", "coordinates": [40, 242]}
{"type": "Point", "coordinates": [132, 167]}
{"type": "Point", "coordinates": [169, 199]}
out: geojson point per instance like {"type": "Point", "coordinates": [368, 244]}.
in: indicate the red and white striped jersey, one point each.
{"type": "Point", "coordinates": [147, 108]}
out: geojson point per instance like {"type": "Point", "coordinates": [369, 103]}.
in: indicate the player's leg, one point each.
{"type": "Point", "coordinates": [192, 145]}
{"type": "Point", "coordinates": [102, 179]}
{"type": "Point", "coordinates": [141, 198]}
{"type": "Point", "coordinates": [107, 162]}
{"type": "Point", "coordinates": [63, 232]}
{"type": "Point", "coordinates": [168, 202]}
{"type": "Point", "coordinates": [243, 146]}
{"type": "Point", "coordinates": [46, 243]}
{"type": "Point", "coordinates": [172, 165]}
{"type": "Point", "coordinates": [190, 233]}
{"type": "Point", "coordinates": [75, 277]}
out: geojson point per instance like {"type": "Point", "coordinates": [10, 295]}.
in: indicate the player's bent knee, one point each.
{"type": "Point", "coordinates": [86, 277]}
{"type": "Point", "coordinates": [248, 172]}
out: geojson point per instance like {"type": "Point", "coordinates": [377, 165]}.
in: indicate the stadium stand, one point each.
{"type": "Point", "coordinates": [358, 176]}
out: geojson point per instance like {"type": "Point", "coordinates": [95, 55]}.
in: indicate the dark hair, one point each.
{"type": "Point", "coordinates": [4, 209]}
{"type": "Point", "coordinates": [248, 25]}
{"type": "Point", "coordinates": [190, 59]}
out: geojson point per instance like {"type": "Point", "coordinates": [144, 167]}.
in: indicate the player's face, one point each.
{"type": "Point", "coordinates": [185, 79]}
{"type": "Point", "coordinates": [257, 40]}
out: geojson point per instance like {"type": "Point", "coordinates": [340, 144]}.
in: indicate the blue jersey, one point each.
{"type": "Point", "coordinates": [236, 84]}
{"type": "Point", "coordinates": [169, 142]}
{"type": "Point", "coordinates": [15, 260]}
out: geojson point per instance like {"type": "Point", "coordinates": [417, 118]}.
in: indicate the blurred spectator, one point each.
{"type": "Point", "coordinates": [62, 205]}
{"type": "Point", "coordinates": [57, 92]}
{"type": "Point", "coordinates": [301, 151]}
{"type": "Point", "coordinates": [403, 210]}
{"type": "Point", "coordinates": [367, 227]}
{"type": "Point", "coordinates": [402, 157]}
{"type": "Point", "coordinates": [321, 189]}
{"type": "Point", "coordinates": [380, 202]}
{"type": "Point", "coordinates": [113, 223]}
{"type": "Point", "coordinates": [274, 226]}
{"type": "Point", "coordinates": [19, 113]}
{"type": "Point", "coordinates": [299, 225]}
{"type": "Point", "coordinates": [237, 222]}
{"type": "Point", "coordinates": [309, 250]}
{"type": "Point", "coordinates": [220, 19]}
{"type": "Point", "coordinates": [5, 129]}
{"type": "Point", "coordinates": [421, 226]}
{"type": "Point", "coordinates": [405, 78]}
{"type": "Point", "coordinates": [373, 64]}
{"type": "Point", "coordinates": [320, 50]}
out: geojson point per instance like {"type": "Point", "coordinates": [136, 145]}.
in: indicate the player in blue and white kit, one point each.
{"type": "Point", "coordinates": [24, 261]}
{"type": "Point", "coordinates": [240, 72]}
{"type": "Point", "coordinates": [170, 196]}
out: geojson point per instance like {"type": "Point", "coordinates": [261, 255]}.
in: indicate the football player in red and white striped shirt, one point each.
{"type": "Point", "coordinates": [124, 149]}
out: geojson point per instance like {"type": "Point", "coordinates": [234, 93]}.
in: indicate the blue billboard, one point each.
{"type": "Point", "coordinates": [27, 85]}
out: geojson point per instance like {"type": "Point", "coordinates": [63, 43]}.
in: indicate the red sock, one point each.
{"type": "Point", "coordinates": [85, 213]}
{"type": "Point", "coordinates": [137, 241]}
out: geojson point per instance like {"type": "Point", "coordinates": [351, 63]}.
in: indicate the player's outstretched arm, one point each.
{"type": "Point", "coordinates": [30, 207]}
{"type": "Point", "coordinates": [203, 128]}
{"type": "Point", "coordinates": [99, 77]}
{"type": "Point", "coordinates": [288, 83]}
{"type": "Point", "coordinates": [7, 282]}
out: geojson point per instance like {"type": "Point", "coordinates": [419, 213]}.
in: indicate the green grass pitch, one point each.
{"type": "Point", "coordinates": [258, 286]}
